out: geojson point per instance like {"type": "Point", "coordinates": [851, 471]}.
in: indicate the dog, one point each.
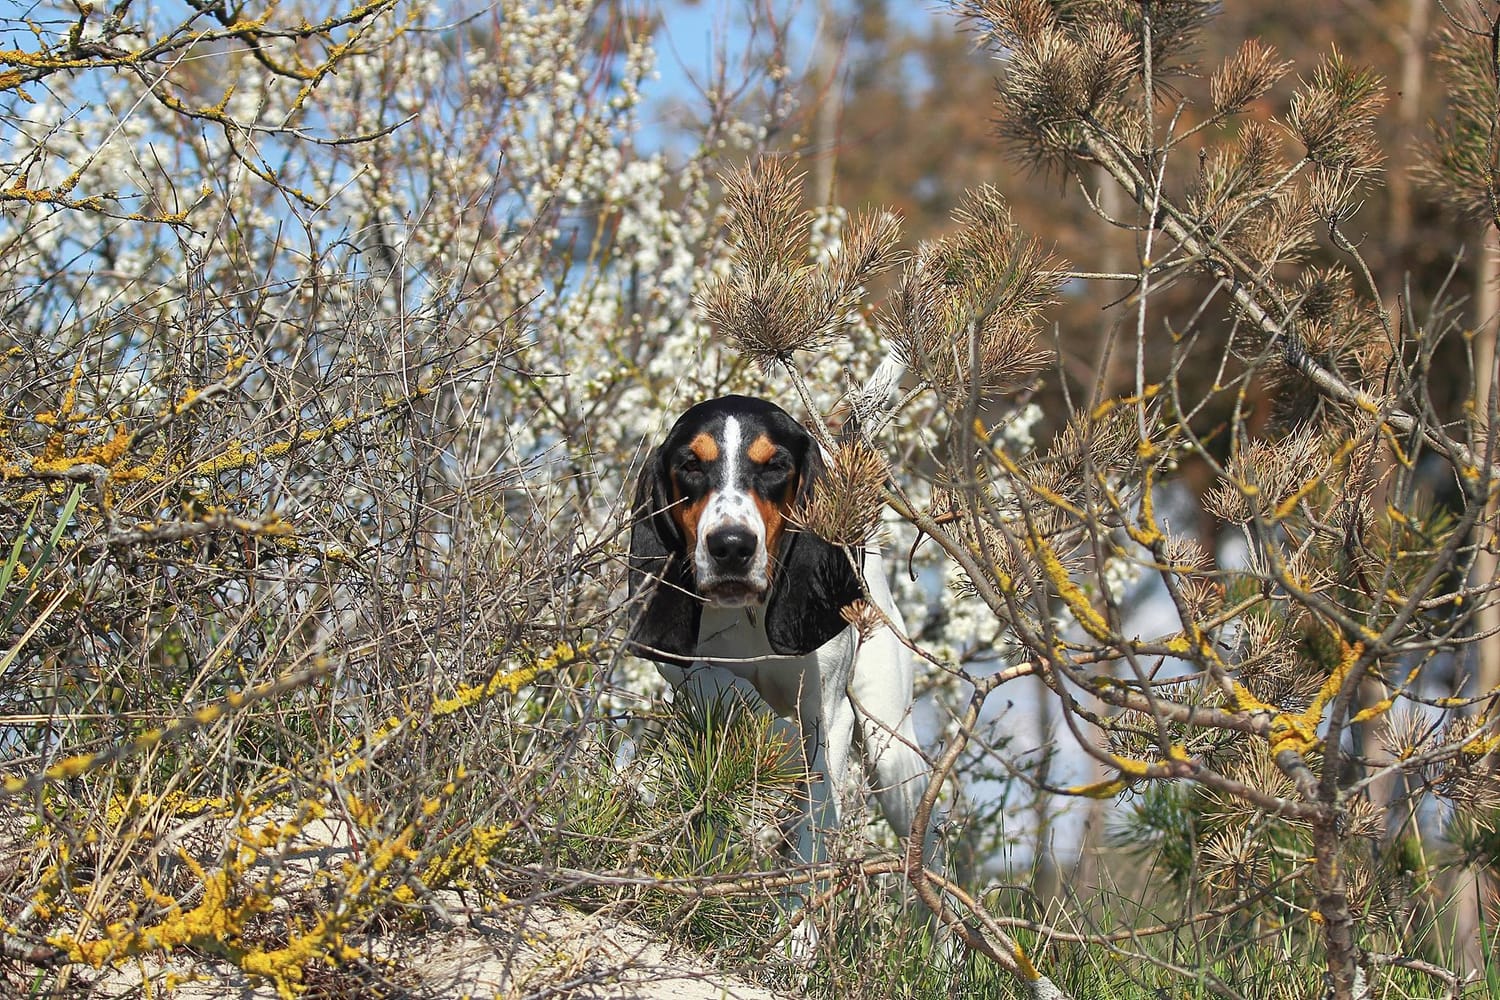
{"type": "Point", "coordinates": [735, 600]}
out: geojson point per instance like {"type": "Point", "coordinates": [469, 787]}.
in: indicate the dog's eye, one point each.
{"type": "Point", "coordinates": [691, 467]}
{"type": "Point", "coordinates": [781, 465]}
{"type": "Point", "coordinates": [774, 474]}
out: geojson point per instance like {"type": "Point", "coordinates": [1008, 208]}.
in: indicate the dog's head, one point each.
{"type": "Point", "coordinates": [712, 527]}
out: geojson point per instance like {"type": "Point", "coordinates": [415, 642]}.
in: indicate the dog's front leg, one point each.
{"type": "Point", "coordinates": [820, 806]}
{"type": "Point", "coordinates": [827, 721]}
{"type": "Point", "coordinates": [819, 814]}
{"type": "Point", "coordinates": [836, 714]}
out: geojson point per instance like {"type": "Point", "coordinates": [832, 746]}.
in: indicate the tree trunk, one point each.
{"type": "Point", "coordinates": [1469, 890]}
{"type": "Point", "coordinates": [826, 72]}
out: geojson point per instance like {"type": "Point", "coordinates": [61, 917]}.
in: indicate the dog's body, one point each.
{"type": "Point", "coordinates": [738, 601]}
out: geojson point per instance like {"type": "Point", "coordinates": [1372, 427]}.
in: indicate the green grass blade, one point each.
{"type": "Point", "coordinates": [64, 518]}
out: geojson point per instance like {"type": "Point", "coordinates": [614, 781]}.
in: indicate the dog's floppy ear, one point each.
{"type": "Point", "coordinates": [814, 580]}
{"type": "Point", "coordinates": [666, 624]}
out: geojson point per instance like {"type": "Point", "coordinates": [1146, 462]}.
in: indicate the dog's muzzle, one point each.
{"type": "Point", "coordinates": [730, 579]}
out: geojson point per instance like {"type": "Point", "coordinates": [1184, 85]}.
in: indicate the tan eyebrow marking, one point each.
{"type": "Point", "coordinates": [705, 447]}
{"type": "Point", "coordinates": [762, 450]}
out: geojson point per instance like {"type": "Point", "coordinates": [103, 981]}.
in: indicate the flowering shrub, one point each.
{"type": "Point", "coordinates": [330, 341]}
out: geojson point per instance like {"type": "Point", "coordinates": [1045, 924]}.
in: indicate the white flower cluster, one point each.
{"type": "Point", "coordinates": [826, 240]}
{"type": "Point", "coordinates": [1019, 432]}
{"type": "Point", "coordinates": [1121, 574]}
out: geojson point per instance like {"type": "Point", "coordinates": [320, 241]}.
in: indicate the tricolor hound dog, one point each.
{"type": "Point", "coordinates": [737, 598]}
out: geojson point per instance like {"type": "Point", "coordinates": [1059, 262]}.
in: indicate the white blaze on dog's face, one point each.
{"type": "Point", "coordinates": [732, 483]}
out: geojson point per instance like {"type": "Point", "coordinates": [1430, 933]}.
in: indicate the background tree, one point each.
{"type": "Point", "coordinates": [907, 127]}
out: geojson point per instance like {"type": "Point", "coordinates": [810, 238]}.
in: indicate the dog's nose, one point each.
{"type": "Point", "coordinates": [731, 549]}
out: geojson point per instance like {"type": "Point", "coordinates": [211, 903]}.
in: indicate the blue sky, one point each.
{"type": "Point", "coordinates": [696, 34]}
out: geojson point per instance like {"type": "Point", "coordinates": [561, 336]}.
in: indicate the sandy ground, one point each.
{"type": "Point", "coordinates": [533, 951]}
{"type": "Point", "coordinates": [517, 951]}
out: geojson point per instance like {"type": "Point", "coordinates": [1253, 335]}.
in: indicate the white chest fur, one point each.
{"type": "Point", "coordinates": [734, 640]}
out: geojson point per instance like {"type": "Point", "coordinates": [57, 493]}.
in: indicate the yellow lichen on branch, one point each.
{"type": "Point", "coordinates": [235, 456]}
{"type": "Point", "coordinates": [507, 678]}
{"type": "Point", "coordinates": [1073, 596]}
{"type": "Point", "coordinates": [1147, 532]}
{"type": "Point", "coordinates": [217, 924]}
{"type": "Point", "coordinates": [217, 919]}
{"type": "Point", "coordinates": [472, 852]}
{"type": "Point", "coordinates": [78, 764]}
{"type": "Point", "coordinates": [1298, 731]}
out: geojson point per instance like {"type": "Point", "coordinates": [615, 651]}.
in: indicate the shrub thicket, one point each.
{"type": "Point", "coordinates": [332, 338]}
